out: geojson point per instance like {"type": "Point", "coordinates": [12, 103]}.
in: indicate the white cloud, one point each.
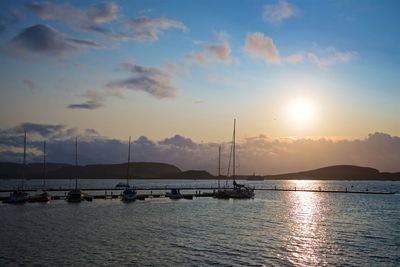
{"type": "Point", "coordinates": [278, 12]}
{"type": "Point", "coordinates": [259, 46]}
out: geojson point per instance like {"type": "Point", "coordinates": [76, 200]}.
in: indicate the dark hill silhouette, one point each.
{"type": "Point", "coordinates": [338, 172]}
{"type": "Point", "coordinates": [150, 170]}
{"type": "Point", "coordinates": [98, 171]}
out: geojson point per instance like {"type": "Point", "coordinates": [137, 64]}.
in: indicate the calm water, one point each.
{"type": "Point", "coordinates": [274, 229]}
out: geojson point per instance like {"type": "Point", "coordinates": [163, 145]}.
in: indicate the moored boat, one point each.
{"type": "Point", "coordinates": [129, 194]}
{"type": "Point", "coordinates": [238, 191]}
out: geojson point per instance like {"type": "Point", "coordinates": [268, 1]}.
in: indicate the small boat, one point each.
{"type": "Point", "coordinates": [42, 197]}
{"type": "Point", "coordinates": [76, 195]}
{"type": "Point", "coordinates": [17, 197]}
{"type": "Point", "coordinates": [129, 194]}
{"type": "Point", "coordinates": [174, 194]}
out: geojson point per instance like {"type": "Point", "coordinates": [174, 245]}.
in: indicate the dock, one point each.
{"type": "Point", "coordinates": [156, 192]}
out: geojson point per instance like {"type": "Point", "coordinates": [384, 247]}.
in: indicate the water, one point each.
{"type": "Point", "coordinates": [274, 229]}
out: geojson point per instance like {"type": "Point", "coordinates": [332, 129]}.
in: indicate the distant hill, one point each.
{"type": "Point", "coordinates": [151, 170]}
{"type": "Point", "coordinates": [98, 171]}
{"type": "Point", "coordinates": [338, 172]}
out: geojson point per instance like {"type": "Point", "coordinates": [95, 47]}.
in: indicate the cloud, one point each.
{"type": "Point", "coordinates": [259, 46]}
{"type": "Point", "coordinates": [258, 154]}
{"type": "Point", "coordinates": [218, 52]}
{"type": "Point", "coordinates": [179, 141]}
{"type": "Point", "coordinates": [221, 52]}
{"type": "Point", "coordinates": [86, 105]}
{"type": "Point", "coordinates": [29, 84]}
{"type": "Point", "coordinates": [84, 20]}
{"type": "Point", "coordinates": [199, 58]}
{"type": "Point", "coordinates": [94, 100]}
{"type": "Point", "coordinates": [148, 29]}
{"type": "Point", "coordinates": [44, 40]}
{"type": "Point", "coordinates": [275, 13]}
{"type": "Point", "coordinates": [295, 58]}
{"type": "Point", "coordinates": [332, 57]}
{"type": "Point", "coordinates": [9, 18]}
{"type": "Point", "coordinates": [151, 80]}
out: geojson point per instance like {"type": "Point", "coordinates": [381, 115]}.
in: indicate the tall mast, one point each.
{"type": "Point", "coordinates": [129, 160]}
{"type": "Point", "coordinates": [24, 167]}
{"type": "Point", "coordinates": [219, 165]}
{"type": "Point", "coordinates": [234, 132]}
{"type": "Point", "coordinates": [44, 164]}
{"type": "Point", "coordinates": [76, 163]}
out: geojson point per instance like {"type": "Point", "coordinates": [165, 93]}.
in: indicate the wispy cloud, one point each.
{"type": "Point", "coordinates": [217, 52]}
{"type": "Point", "coordinates": [259, 46]}
{"type": "Point", "coordinates": [8, 18]}
{"type": "Point", "coordinates": [154, 81]}
{"type": "Point", "coordinates": [86, 105]}
{"type": "Point", "coordinates": [295, 58]}
{"type": "Point", "coordinates": [148, 29]}
{"type": "Point", "coordinates": [278, 12]}
{"type": "Point", "coordinates": [94, 100]}
{"type": "Point", "coordinates": [332, 57]}
{"type": "Point", "coordinates": [29, 83]}
{"type": "Point", "coordinates": [45, 40]}
{"type": "Point", "coordinates": [90, 19]}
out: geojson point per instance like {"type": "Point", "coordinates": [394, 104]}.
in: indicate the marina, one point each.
{"type": "Point", "coordinates": [162, 192]}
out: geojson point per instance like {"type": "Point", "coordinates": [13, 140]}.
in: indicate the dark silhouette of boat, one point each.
{"type": "Point", "coordinates": [76, 195]}
{"type": "Point", "coordinates": [239, 191]}
{"type": "Point", "coordinates": [129, 194]}
{"type": "Point", "coordinates": [19, 196]}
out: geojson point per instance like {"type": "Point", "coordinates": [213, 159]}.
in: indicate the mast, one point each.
{"type": "Point", "coordinates": [219, 165]}
{"type": "Point", "coordinates": [234, 132]}
{"type": "Point", "coordinates": [44, 164]}
{"type": "Point", "coordinates": [76, 163]}
{"type": "Point", "coordinates": [24, 166]}
{"type": "Point", "coordinates": [129, 160]}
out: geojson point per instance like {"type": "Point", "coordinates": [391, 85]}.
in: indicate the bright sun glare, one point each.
{"type": "Point", "coordinates": [301, 111]}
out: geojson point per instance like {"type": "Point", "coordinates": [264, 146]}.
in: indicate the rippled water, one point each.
{"type": "Point", "coordinates": [274, 229]}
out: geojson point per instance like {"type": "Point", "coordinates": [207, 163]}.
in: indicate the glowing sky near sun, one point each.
{"type": "Point", "coordinates": [160, 68]}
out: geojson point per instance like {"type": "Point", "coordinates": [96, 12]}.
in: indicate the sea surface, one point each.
{"type": "Point", "coordinates": [273, 229]}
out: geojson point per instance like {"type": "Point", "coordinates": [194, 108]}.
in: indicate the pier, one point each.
{"type": "Point", "coordinates": [156, 192]}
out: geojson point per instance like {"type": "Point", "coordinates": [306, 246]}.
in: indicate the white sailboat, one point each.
{"type": "Point", "coordinates": [129, 194]}
{"type": "Point", "coordinates": [238, 191]}
{"type": "Point", "coordinates": [19, 196]}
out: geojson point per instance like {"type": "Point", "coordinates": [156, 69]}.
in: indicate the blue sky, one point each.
{"type": "Point", "coordinates": [160, 68]}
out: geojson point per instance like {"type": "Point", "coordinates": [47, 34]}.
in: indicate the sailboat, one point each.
{"type": "Point", "coordinates": [239, 191]}
{"type": "Point", "coordinates": [19, 196]}
{"type": "Point", "coordinates": [42, 196]}
{"type": "Point", "coordinates": [129, 194]}
{"type": "Point", "coordinates": [75, 195]}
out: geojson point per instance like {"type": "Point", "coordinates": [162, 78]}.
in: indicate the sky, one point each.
{"type": "Point", "coordinates": [310, 83]}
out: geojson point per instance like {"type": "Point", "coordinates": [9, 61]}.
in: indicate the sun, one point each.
{"type": "Point", "coordinates": [301, 111]}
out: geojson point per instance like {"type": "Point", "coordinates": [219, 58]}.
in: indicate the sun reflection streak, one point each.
{"type": "Point", "coordinates": [306, 236]}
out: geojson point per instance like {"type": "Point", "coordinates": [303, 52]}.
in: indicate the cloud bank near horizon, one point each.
{"type": "Point", "coordinates": [258, 154]}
